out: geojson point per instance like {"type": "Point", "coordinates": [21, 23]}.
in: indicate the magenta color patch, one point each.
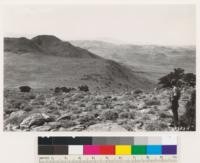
{"type": "Point", "coordinates": [91, 150]}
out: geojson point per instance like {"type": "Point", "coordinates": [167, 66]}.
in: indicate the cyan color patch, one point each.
{"type": "Point", "coordinates": [154, 150]}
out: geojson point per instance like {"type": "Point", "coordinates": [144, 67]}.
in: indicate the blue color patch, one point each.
{"type": "Point", "coordinates": [154, 150]}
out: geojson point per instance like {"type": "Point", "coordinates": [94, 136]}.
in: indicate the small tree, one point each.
{"type": "Point", "coordinates": [179, 78]}
{"type": "Point", "coordinates": [190, 79]}
{"type": "Point", "coordinates": [175, 76]}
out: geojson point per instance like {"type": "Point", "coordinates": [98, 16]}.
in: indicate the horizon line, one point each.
{"type": "Point", "coordinates": [102, 40]}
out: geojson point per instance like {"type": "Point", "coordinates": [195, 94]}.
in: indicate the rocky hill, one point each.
{"type": "Point", "coordinates": [46, 62]}
{"type": "Point", "coordinates": [45, 44]}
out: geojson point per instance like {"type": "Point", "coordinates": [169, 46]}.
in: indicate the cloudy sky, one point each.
{"type": "Point", "coordinates": [136, 24]}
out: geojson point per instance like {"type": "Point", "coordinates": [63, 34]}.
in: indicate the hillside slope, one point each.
{"type": "Point", "coordinates": [45, 44]}
{"type": "Point", "coordinates": [154, 61]}
{"type": "Point", "coordinates": [47, 62]}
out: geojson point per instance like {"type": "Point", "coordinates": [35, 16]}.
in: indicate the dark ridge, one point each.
{"type": "Point", "coordinates": [45, 39]}
{"type": "Point", "coordinates": [20, 45]}
{"type": "Point", "coordinates": [46, 45]}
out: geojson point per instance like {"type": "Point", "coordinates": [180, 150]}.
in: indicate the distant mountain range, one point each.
{"type": "Point", "coordinates": [45, 61]}
{"type": "Point", "coordinates": [154, 61]}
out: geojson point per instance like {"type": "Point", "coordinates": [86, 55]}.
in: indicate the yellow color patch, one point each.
{"type": "Point", "coordinates": [123, 149]}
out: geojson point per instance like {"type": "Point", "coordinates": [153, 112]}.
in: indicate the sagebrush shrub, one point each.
{"type": "Point", "coordinates": [109, 115]}
{"type": "Point", "coordinates": [138, 91]}
{"type": "Point", "coordinates": [84, 88]}
{"type": "Point", "coordinates": [124, 115]}
{"type": "Point", "coordinates": [164, 115]}
{"type": "Point", "coordinates": [153, 101]}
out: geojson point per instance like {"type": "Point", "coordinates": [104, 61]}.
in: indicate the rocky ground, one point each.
{"type": "Point", "coordinates": [41, 110]}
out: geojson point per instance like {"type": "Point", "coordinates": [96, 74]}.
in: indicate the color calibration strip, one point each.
{"type": "Point", "coordinates": [120, 146]}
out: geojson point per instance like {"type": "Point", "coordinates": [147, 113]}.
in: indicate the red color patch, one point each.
{"type": "Point", "coordinates": [107, 150]}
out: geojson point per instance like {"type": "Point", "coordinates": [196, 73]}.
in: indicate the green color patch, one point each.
{"type": "Point", "coordinates": [138, 150]}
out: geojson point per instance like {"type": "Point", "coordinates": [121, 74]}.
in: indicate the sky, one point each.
{"type": "Point", "coordinates": [162, 24]}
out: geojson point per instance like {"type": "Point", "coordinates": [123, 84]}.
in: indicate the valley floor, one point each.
{"type": "Point", "coordinates": [86, 111]}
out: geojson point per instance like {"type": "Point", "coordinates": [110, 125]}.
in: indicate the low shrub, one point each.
{"type": "Point", "coordinates": [146, 118]}
{"type": "Point", "coordinates": [66, 89]}
{"type": "Point", "coordinates": [84, 88]}
{"type": "Point", "coordinates": [164, 115]}
{"type": "Point", "coordinates": [57, 90]}
{"type": "Point", "coordinates": [25, 89]}
{"type": "Point", "coordinates": [129, 115]}
{"type": "Point", "coordinates": [138, 91]}
{"type": "Point", "coordinates": [153, 101]}
{"type": "Point", "coordinates": [132, 114]}
{"type": "Point", "coordinates": [124, 115]}
{"type": "Point", "coordinates": [17, 103]}
{"type": "Point", "coordinates": [151, 112]}
{"type": "Point", "coordinates": [86, 118]}
{"type": "Point", "coordinates": [109, 115]}
{"type": "Point", "coordinates": [156, 126]}
{"type": "Point", "coordinates": [9, 110]}
{"type": "Point", "coordinates": [27, 108]}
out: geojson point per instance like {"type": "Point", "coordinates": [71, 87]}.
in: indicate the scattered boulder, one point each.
{"type": "Point", "coordinates": [11, 127]}
{"type": "Point", "coordinates": [80, 110]}
{"type": "Point", "coordinates": [17, 114]}
{"type": "Point", "coordinates": [74, 128]}
{"type": "Point", "coordinates": [35, 119]}
{"type": "Point", "coordinates": [16, 118]}
{"type": "Point", "coordinates": [100, 107]}
{"type": "Point", "coordinates": [64, 117]}
{"type": "Point", "coordinates": [67, 123]}
{"type": "Point", "coordinates": [47, 117]}
{"type": "Point", "coordinates": [42, 128]}
{"type": "Point", "coordinates": [55, 125]}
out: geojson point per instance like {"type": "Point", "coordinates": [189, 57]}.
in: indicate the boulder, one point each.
{"type": "Point", "coordinates": [17, 114]}
{"type": "Point", "coordinates": [15, 118]}
{"type": "Point", "coordinates": [42, 128]}
{"type": "Point", "coordinates": [100, 107]}
{"type": "Point", "coordinates": [47, 117]}
{"type": "Point", "coordinates": [64, 117]}
{"type": "Point", "coordinates": [36, 119]}
{"type": "Point", "coordinates": [11, 127]}
{"type": "Point", "coordinates": [76, 128]}
{"type": "Point", "coordinates": [55, 125]}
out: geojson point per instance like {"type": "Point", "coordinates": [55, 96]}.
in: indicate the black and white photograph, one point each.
{"type": "Point", "coordinates": [91, 68]}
